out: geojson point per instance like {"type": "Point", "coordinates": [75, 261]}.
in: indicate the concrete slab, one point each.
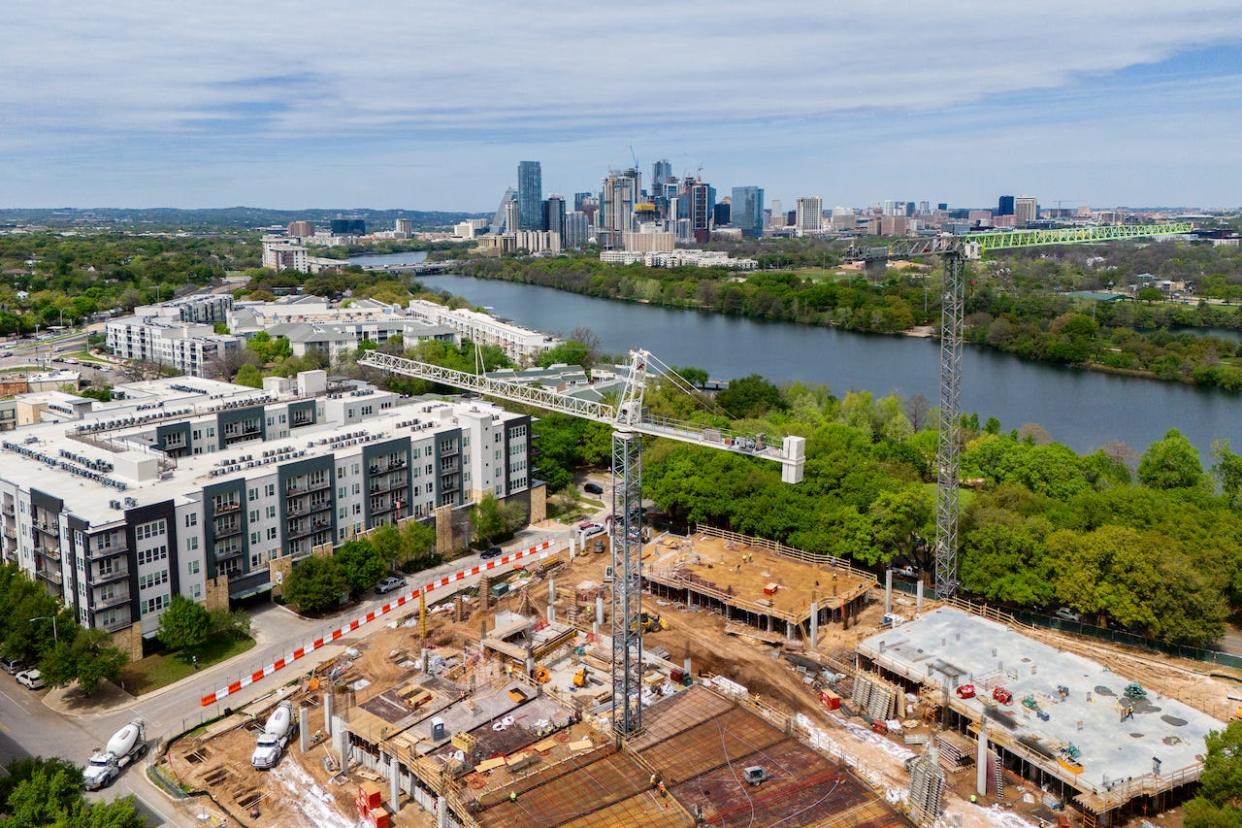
{"type": "Point", "coordinates": [947, 647]}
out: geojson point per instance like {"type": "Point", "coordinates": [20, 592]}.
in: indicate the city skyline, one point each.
{"type": "Point", "coordinates": [954, 104]}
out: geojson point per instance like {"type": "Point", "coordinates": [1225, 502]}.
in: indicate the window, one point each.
{"type": "Point", "coordinates": [156, 553]}
{"type": "Point", "coordinates": [270, 490]}
{"type": "Point", "coordinates": [193, 567]}
{"type": "Point", "coordinates": [357, 508]}
{"type": "Point", "coordinates": [193, 543]}
{"type": "Point", "coordinates": [271, 533]}
{"type": "Point", "coordinates": [153, 579]}
{"type": "Point", "coordinates": [254, 515]}
{"type": "Point", "coordinates": [254, 494]}
{"type": "Point", "coordinates": [271, 512]}
{"type": "Point", "coordinates": [340, 492]}
{"type": "Point", "coordinates": [340, 471]}
{"type": "Point", "coordinates": [191, 519]}
{"type": "Point", "coordinates": [151, 530]}
{"type": "Point", "coordinates": [155, 604]}
{"type": "Point", "coordinates": [197, 591]}
{"type": "Point", "coordinates": [254, 538]}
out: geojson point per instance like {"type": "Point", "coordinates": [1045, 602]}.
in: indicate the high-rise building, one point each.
{"type": "Point", "coordinates": [809, 215]}
{"type": "Point", "coordinates": [576, 230]}
{"type": "Point", "coordinates": [513, 216]}
{"type": "Point", "coordinates": [301, 229]}
{"type": "Point", "coordinates": [554, 214]}
{"type": "Point", "coordinates": [622, 189]}
{"type": "Point", "coordinates": [580, 200]}
{"type": "Point", "coordinates": [720, 215]}
{"type": "Point", "coordinates": [530, 196]}
{"type": "Point", "coordinates": [348, 227]}
{"type": "Point", "coordinates": [776, 216]}
{"type": "Point", "coordinates": [1025, 210]}
{"type": "Point", "coordinates": [1004, 205]}
{"type": "Point", "coordinates": [942, 206]}
{"type": "Point", "coordinates": [924, 207]}
{"type": "Point", "coordinates": [661, 171]}
{"type": "Point", "coordinates": [498, 220]}
{"type": "Point", "coordinates": [403, 225]}
{"type": "Point", "coordinates": [747, 210]}
{"type": "Point", "coordinates": [696, 201]}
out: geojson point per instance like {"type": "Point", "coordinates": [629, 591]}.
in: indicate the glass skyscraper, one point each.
{"type": "Point", "coordinates": [530, 195]}
{"type": "Point", "coordinates": [747, 210]}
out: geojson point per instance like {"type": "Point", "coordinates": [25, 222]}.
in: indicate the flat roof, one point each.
{"type": "Point", "coordinates": [743, 572]}
{"type": "Point", "coordinates": [947, 647]}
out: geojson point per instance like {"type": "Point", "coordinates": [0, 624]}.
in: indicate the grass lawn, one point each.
{"type": "Point", "coordinates": [161, 669]}
{"type": "Point", "coordinates": [20, 369]}
{"type": "Point", "coordinates": [570, 507]}
{"type": "Point", "coordinates": [85, 356]}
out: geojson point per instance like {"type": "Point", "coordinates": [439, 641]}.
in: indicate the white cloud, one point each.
{"type": "Point", "coordinates": [276, 79]}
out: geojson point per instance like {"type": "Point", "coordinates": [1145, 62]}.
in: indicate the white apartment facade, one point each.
{"type": "Point", "coordinates": [519, 344]}
{"type": "Point", "coordinates": [185, 485]}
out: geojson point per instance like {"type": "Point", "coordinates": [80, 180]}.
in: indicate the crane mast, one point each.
{"type": "Point", "coordinates": [630, 422]}
{"type": "Point", "coordinates": [954, 252]}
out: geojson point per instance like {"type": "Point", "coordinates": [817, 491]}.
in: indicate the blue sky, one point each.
{"type": "Point", "coordinates": [431, 105]}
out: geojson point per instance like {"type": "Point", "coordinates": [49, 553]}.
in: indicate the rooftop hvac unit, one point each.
{"type": "Point", "coordinates": [115, 504]}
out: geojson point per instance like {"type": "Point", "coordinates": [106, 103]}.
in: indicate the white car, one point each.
{"type": "Point", "coordinates": [31, 679]}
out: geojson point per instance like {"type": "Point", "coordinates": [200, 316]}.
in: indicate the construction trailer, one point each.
{"type": "Point", "coordinates": [775, 591]}
{"type": "Point", "coordinates": [1099, 740]}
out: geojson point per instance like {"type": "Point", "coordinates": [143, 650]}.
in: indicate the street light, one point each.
{"type": "Point", "coordinates": [52, 618]}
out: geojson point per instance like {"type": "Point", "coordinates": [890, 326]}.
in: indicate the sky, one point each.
{"type": "Point", "coordinates": [430, 105]}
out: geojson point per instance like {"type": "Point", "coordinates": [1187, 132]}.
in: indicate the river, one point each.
{"type": "Point", "coordinates": [1083, 409]}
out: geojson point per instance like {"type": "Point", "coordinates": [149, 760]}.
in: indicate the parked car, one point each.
{"type": "Point", "coordinates": [1067, 614]}
{"type": "Point", "coordinates": [31, 679]}
{"type": "Point", "coordinates": [1002, 695]}
{"type": "Point", "coordinates": [11, 666]}
{"type": "Point", "coordinates": [593, 488]}
{"type": "Point", "coordinates": [491, 552]}
{"type": "Point", "coordinates": [389, 584]}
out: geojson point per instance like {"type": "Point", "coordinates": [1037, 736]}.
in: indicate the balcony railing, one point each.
{"type": "Point", "coordinates": [307, 487]}
{"type": "Point", "coordinates": [8, 510]}
{"type": "Point", "coordinates": [228, 530]}
{"type": "Point", "coordinates": [114, 599]}
{"type": "Point", "coordinates": [311, 529]}
{"type": "Point", "coordinates": [227, 506]}
{"type": "Point", "coordinates": [116, 624]}
{"type": "Point", "coordinates": [95, 553]}
{"type": "Point", "coordinates": [223, 554]}
{"type": "Point", "coordinates": [51, 529]}
{"type": "Point", "coordinates": [116, 574]}
{"type": "Point", "coordinates": [50, 575]}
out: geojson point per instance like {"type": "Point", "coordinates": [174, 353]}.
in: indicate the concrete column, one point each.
{"type": "Point", "coordinates": [394, 783]}
{"type": "Point", "coordinates": [888, 591]}
{"type": "Point", "coordinates": [685, 665]}
{"type": "Point", "coordinates": [918, 595]}
{"type": "Point", "coordinates": [573, 547]}
{"type": "Point", "coordinates": [551, 600]}
{"type": "Point", "coordinates": [981, 761]}
{"type": "Point", "coordinates": [789, 630]}
{"type": "Point", "coordinates": [441, 812]}
{"type": "Point", "coordinates": [814, 623]}
{"type": "Point", "coordinates": [304, 729]}
{"type": "Point", "coordinates": [341, 737]}
{"type": "Point", "coordinates": [599, 610]}
{"type": "Point", "coordinates": [425, 657]}
{"type": "Point", "coordinates": [327, 713]}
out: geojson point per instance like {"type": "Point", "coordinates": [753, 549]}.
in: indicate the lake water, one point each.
{"type": "Point", "coordinates": [1082, 409]}
{"type": "Point", "coordinates": [412, 257]}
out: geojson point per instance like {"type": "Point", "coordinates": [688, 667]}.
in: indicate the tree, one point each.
{"type": "Point", "coordinates": [23, 770]}
{"type": "Point", "coordinates": [1149, 295]}
{"type": "Point", "coordinates": [234, 624]}
{"type": "Point", "coordinates": [1171, 463]}
{"type": "Point", "coordinates": [1228, 472]}
{"type": "Point", "coordinates": [750, 396]}
{"type": "Point", "coordinates": [185, 624]}
{"type": "Point", "coordinates": [918, 410]}
{"type": "Point", "coordinates": [315, 584]}
{"type": "Point", "coordinates": [418, 543]}
{"type": "Point", "coordinates": [487, 519]}
{"type": "Point", "coordinates": [90, 659]}
{"type": "Point", "coordinates": [569, 352]}
{"type": "Point", "coordinates": [47, 793]}
{"type": "Point", "coordinates": [249, 375]}
{"type": "Point", "coordinates": [361, 564]}
{"type": "Point", "coordinates": [1219, 803]}
{"type": "Point", "coordinates": [900, 520]}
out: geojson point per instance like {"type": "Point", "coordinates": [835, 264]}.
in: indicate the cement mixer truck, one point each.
{"type": "Point", "coordinates": [275, 736]}
{"type": "Point", "coordinates": [126, 745]}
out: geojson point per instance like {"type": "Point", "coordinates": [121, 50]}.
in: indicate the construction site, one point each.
{"type": "Point", "coordinates": [492, 707]}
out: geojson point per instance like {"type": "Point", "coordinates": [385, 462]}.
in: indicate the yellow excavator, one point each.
{"type": "Point", "coordinates": [651, 622]}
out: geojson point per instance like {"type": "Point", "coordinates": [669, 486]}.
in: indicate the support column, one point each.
{"type": "Point", "coordinates": [599, 611]}
{"type": "Point", "coordinates": [888, 591]}
{"type": "Point", "coordinates": [341, 737]}
{"type": "Point", "coordinates": [981, 760]}
{"type": "Point", "coordinates": [573, 547]}
{"type": "Point", "coordinates": [918, 596]}
{"type": "Point", "coordinates": [814, 623]}
{"type": "Point", "coordinates": [327, 713]}
{"type": "Point", "coordinates": [394, 783]}
{"type": "Point", "coordinates": [441, 812]}
{"type": "Point", "coordinates": [551, 600]}
{"type": "Point", "coordinates": [304, 729]}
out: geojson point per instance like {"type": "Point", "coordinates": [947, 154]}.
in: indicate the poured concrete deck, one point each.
{"type": "Point", "coordinates": [946, 647]}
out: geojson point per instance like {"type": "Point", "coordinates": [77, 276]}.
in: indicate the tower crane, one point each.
{"type": "Point", "coordinates": [630, 422]}
{"type": "Point", "coordinates": [955, 251]}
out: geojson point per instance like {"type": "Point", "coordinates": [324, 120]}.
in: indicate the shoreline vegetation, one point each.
{"type": "Point", "coordinates": [1012, 306]}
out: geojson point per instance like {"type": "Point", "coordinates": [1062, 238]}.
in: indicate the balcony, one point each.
{"type": "Point", "coordinates": [9, 510]}
{"type": "Point", "coordinates": [228, 530]}
{"type": "Point", "coordinates": [227, 506]}
{"type": "Point", "coordinates": [117, 574]}
{"type": "Point", "coordinates": [117, 624]}
{"type": "Point", "coordinates": [114, 599]}
{"type": "Point", "coordinates": [449, 466]}
{"type": "Point", "coordinates": [310, 529]}
{"type": "Point", "coordinates": [49, 529]}
{"type": "Point", "coordinates": [450, 450]}
{"type": "Point", "coordinates": [388, 466]}
{"type": "Point", "coordinates": [50, 553]}
{"type": "Point", "coordinates": [307, 487]}
{"type": "Point", "coordinates": [227, 552]}
{"type": "Point", "coordinates": [98, 553]}
{"type": "Point", "coordinates": [393, 484]}
{"type": "Point", "coordinates": [299, 509]}
{"type": "Point", "coordinates": [51, 575]}
{"type": "Point", "coordinates": [10, 533]}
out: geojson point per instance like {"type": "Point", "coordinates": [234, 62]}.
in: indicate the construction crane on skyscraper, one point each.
{"type": "Point", "coordinates": [630, 421]}
{"type": "Point", "coordinates": [955, 251]}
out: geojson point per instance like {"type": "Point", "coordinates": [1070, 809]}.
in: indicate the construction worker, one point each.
{"type": "Point", "coordinates": [974, 800]}
{"type": "Point", "coordinates": [513, 796]}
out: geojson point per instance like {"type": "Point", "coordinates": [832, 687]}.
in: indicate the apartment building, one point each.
{"type": "Point", "coordinates": [336, 339]}
{"type": "Point", "coordinates": [189, 486]}
{"type": "Point", "coordinates": [519, 344]}
{"type": "Point", "coordinates": [186, 346]}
